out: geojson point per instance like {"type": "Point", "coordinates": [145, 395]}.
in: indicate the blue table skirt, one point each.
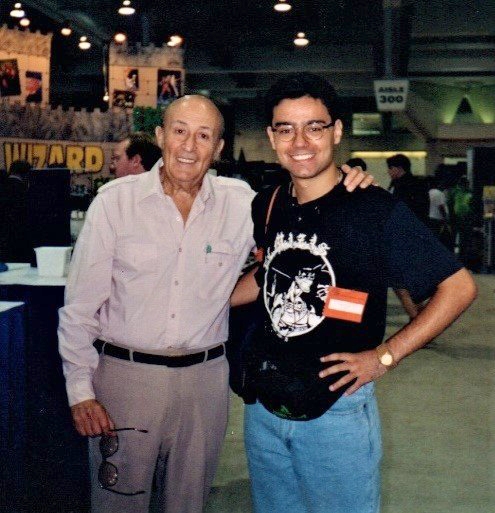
{"type": "Point", "coordinates": [12, 401]}
{"type": "Point", "coordinates": [52, 468]}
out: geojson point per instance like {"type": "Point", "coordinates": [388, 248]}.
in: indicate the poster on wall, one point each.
{"type": "Point", "coordinates": [123, 99]}
{"type": "Point", "coordinates": [9, 78]}
{"type": "Point", "coordinates": [170, 84]}
{"type": "Point", "coordinates": [34, 91]}
{"type": "Point", "coordinates": [131, 79]}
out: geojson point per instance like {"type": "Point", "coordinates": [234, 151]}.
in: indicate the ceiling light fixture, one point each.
{"type": "Point", "coordinates": [17, 11]}
{"type": "Point", "coordinates": [66, 30]}
{"type": "Point", "coordinates": [282, 6]}
{"type": "Point", "coordinates": [106, 96]}
{"type": "Point", "coordinates": [301, 39]}
{"type": "Point", "coordinates": [25, 22]}
{"type": "Point", "coordinates": [84, 44]}
{"type": "Point", "coordinates": [120, 38]}
{"type": "Point", "coordinates": [175, 40]}
{"type": "Point", "coordinates": [126, 8]}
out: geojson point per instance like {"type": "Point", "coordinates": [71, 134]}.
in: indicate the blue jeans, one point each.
{"type": "Point", "coordinates": [327, 465]}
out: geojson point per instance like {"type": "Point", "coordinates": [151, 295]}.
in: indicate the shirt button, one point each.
{"type": "Point", "coordinates": [180, 250]}
{"type": "Point", "coordinates": [220, 264]}
{"type": "Point", "coordinates": [176, 282]}
{"type": "Point", "coordinates": [177, 218]}
{"type": "Point", "coordinates": [173, 316]}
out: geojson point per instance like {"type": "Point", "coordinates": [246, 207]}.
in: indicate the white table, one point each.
{"type": "Point", "coordinates": [24, 274]}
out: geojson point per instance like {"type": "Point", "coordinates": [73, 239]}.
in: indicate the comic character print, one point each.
{"type": "Point", "coordinates": [298, 275]}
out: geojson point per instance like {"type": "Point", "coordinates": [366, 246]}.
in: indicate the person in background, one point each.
{"type": "Point", "coordinates": [134, 155]}
{"type": "Point", "coordinates": [439, 214]}
{"type": "Point", "coordinates": [460, 204]}
{"type": "Point", "coordinates": [356, 161]}
{"type": "Point", "coordinates": [145, 320]}
{"type": "Point", "coordinates": [412, 190]}
{"type": "Point", "coordinates": [327, 258]}
{"type": "Point", "coordinates": [15, 233]}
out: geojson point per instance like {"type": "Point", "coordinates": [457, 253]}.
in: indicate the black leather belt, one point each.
{"type": "Point", "coordinates": [158, 359]}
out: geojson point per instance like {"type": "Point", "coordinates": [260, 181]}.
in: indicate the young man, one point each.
{"type": "Point", "coordinates": [313, 436]}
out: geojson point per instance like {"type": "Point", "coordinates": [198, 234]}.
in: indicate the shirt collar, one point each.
{"type": "Point", "coordinates": [151, 184]}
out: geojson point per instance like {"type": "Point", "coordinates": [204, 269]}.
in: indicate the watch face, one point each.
{"type": "Point", "coordinates": [387, 359]}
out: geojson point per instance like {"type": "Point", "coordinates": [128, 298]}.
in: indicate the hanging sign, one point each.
{"type": "Point", "coordinates": [391, 95]}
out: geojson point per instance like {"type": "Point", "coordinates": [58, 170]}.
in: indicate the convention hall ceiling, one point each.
{"type": "Point", "coordinates": [233, 48]}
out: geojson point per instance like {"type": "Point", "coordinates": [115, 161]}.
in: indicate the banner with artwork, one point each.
{"type": "Point", "coordinates": [144, 76]}
{"type": "Point", "coordinates": [34, 86]}
{"type": "Point", "coordinates": [131, 79]}
{"type": "Point", "coordinates": [10, 84]}
{"type": "Point", "coordinates": [170, 86]}
{"type": "Point", "coordinates": [123, 99]}
{"type": "Point", "coordinates": [24, 66]}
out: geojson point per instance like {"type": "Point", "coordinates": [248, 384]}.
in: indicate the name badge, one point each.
{"type": "Point", "coordinates": [345, 304]}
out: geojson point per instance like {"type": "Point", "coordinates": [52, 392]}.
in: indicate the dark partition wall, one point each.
{"type": "Point", "coordinates": [481, 172]}
{"type": "Point", "coordinates": [49, 207]}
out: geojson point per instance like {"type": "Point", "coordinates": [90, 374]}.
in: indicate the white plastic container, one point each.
{"type": "Point", "coordinates": [53, 260]}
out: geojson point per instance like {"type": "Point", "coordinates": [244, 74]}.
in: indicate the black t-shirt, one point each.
{"type": "Point", "coordinates": [363, 241]}
{"type": "Point", "coordinates": [413, 191]}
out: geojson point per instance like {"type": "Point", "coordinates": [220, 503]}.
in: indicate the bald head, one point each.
{"type": "Point", "coordinates": [190, 140]}
{"type": "Point", "coordinates": [198, 103]}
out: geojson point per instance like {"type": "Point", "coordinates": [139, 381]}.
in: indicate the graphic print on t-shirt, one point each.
{"type": "Point", "coordinates": [297, 278]}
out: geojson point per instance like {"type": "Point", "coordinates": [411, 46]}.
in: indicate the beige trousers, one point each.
{"type": "Point", "coordinates": [185, 411]}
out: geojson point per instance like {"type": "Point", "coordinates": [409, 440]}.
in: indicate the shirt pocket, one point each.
{"type": "Point", "coordinates": [220, 271]}
{"type": "Point", "coordinates": [134, 259]}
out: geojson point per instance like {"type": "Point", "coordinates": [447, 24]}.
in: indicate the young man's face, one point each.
{"type": "Point", "coordinates": [304, 157]}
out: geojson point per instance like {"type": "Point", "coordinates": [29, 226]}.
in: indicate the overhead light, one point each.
{"type": "Point", "coordinates": [301, 39]}
{"type": "Point", "coordinates": [175, 40]}
{"type": "Point", "coordinates": [17, 11]}
{"type": "Point", "coordinates": [126, 8]}
{"type": "Point", "coordinates": [84, 44]}
{"type": "Point", "coordinates": [282, 6]}
{"type": "Point", "coordinates": [120, 38]}
{"type": "Point", "coordinates": [66, 30]}
{"type": "Point", "coordinates": [106, 96]}
{"type": "Point", "coordinates": [24, 22]}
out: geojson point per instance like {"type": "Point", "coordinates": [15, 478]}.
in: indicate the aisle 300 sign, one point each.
{"type": "Point", "coordinates": [391, 95]}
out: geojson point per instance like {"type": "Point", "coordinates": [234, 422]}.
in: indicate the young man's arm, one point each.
{"type": "Point", "coordinates": [246, 291]}
{"type": "Point", "coordinates": [451, 298]}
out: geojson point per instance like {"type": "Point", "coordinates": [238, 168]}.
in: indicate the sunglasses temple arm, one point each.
{"type": "Point", "coordinates": [128, 429]}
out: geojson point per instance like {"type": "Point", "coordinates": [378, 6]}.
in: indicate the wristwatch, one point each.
{"type": "Point", "coordinates": [385, 357]}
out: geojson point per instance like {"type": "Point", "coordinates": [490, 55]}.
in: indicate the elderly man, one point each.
{"type": "Point", "coordinates": [134, 155]}
{"type": "Point", "coordinates": [143, 329]}
{"type": "Point", "coordinates": [313, 435]}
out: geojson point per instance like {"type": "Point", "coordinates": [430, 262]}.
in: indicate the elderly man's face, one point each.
{"type": "Point", "coordinates": [190, 139]}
